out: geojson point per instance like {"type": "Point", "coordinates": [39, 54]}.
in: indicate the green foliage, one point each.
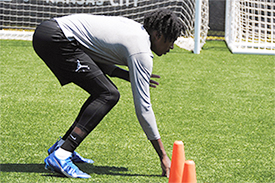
{"type": "Point", "coordinates": [221, 105]}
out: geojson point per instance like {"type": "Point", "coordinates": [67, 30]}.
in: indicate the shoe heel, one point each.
{"type": "Point", "coordinates": [48, 167]}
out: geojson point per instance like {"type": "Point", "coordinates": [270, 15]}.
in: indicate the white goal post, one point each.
{"type": "Point", "coordinates": [19, 18]}
{"type": "Point", "coordinates": [250, 26]}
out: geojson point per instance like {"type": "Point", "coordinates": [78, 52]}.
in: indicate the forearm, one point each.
{"type": "Point", "coordinates": [158, 146]}
{"type": "Point", "coordinates": [164, 159]}
{"type": "Point", "coordinates": [120, 73]}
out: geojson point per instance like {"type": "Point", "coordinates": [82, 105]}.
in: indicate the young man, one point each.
{"type": "Point", "coordinates": [82, 49]}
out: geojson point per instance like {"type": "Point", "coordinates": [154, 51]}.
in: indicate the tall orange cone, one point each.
{"type": "Point", "coordinates": [177, 163]}
{"type": "Point", "coordinates": [189, 172]}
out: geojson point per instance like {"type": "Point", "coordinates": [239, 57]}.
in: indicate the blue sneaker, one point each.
{"type": "Point", "coordinates": [76, 158]}
{"type": "Point", "coordinates": [65, 167]}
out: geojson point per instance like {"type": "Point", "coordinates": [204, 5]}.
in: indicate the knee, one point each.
{"type": "Point", "coordinates": [114, 96]}
{"type": "Point", "coordinates": [110, 96]}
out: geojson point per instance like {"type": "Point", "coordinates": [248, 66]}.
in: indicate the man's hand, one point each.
{"type": "Point", "coordinates": [153, 83]}
{"type": "Point", "coordinates": [164, 159]}
{"type": "Point", "coordinates": [165, 165]}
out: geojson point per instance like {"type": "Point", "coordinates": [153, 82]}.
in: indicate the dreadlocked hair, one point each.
{"type": "Point", "coordinates": [165, 22]}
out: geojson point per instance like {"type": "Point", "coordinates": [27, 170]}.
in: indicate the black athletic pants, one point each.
{"type": "Point", "coordinates": [70, 63]}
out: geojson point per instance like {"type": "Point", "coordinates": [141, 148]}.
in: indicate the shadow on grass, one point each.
{"type": "Point", "coordinates": [88, 168]}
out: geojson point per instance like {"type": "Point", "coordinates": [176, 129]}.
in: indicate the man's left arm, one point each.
{"type": "Point", "coordinates": [120, 73]}
{"type": "Point", "coordinates": [124, 74]}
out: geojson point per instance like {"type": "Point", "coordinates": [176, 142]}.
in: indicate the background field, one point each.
{"type": "Point", "coordinates": [221, 105]}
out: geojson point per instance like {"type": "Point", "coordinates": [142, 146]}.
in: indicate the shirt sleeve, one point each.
{"type": "Point", "coordinates": [140, 69]}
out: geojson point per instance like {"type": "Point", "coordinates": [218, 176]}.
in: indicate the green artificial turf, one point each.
{"type": "Point", "coordinates": [221, 105]}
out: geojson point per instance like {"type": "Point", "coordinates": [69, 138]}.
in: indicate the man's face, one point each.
{"type": "Point", "coordinates": [161, 46]}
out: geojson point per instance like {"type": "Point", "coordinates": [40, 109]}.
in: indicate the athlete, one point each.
{"type": "Point", "coordinates": [83, 49]}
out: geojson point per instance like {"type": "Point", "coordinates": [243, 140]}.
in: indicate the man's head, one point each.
{"type": "Point", "coordinates": [164, 28]}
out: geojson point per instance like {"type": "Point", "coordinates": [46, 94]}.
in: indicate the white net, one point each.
{"type": "Point", "coordinates": [250, 26]}
{"type": "Point", "coordinates": [20, 17]}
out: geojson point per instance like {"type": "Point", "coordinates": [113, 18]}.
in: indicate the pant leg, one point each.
{"type": "Point", "coordinates": [61, 55]}
{"type": "Point", "coordinates": [104, 96]}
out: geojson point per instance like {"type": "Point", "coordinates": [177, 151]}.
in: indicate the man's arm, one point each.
{"type": "Point", "coordinates": [114, 71]}
{"type": "Point", "coordinates": [157, 144]}
{"type": "Point", "coordinates": [164, 159]}
{"type": "Point", "coordinates": [120, 73]}
{"type": "Point", "coordinates": [124, 74]}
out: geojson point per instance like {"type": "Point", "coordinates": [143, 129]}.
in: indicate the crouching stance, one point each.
{"type": "Point", "coordinates": [83, 49]}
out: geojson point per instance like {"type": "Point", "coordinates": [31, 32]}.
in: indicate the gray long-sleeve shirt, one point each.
{"type": "Point", "coordinates": [118, 41]}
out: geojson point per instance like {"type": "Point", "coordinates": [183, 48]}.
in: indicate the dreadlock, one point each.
{"type": "Point", "coordinates": [165, 22]}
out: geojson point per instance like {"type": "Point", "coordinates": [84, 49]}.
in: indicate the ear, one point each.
{"type": "Point", "coordinates": [156, 35]}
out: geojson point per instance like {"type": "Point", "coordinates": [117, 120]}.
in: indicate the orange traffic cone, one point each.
{"type": "Point", "coordinates": [189, 172]}
{"type": "Point", "coordinates": [177, 163]}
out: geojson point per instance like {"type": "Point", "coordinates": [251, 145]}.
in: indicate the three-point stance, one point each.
{"type": "Point", "coordinates": [83, 49]}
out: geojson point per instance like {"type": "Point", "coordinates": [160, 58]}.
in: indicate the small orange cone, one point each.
{"type": "Point", "coordinates": [189, 172]}
{"type": "Point", "coordinates": [177, 163]}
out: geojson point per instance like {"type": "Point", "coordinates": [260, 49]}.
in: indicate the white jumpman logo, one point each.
{"type": "Point", "coordinates": [79, 66]}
